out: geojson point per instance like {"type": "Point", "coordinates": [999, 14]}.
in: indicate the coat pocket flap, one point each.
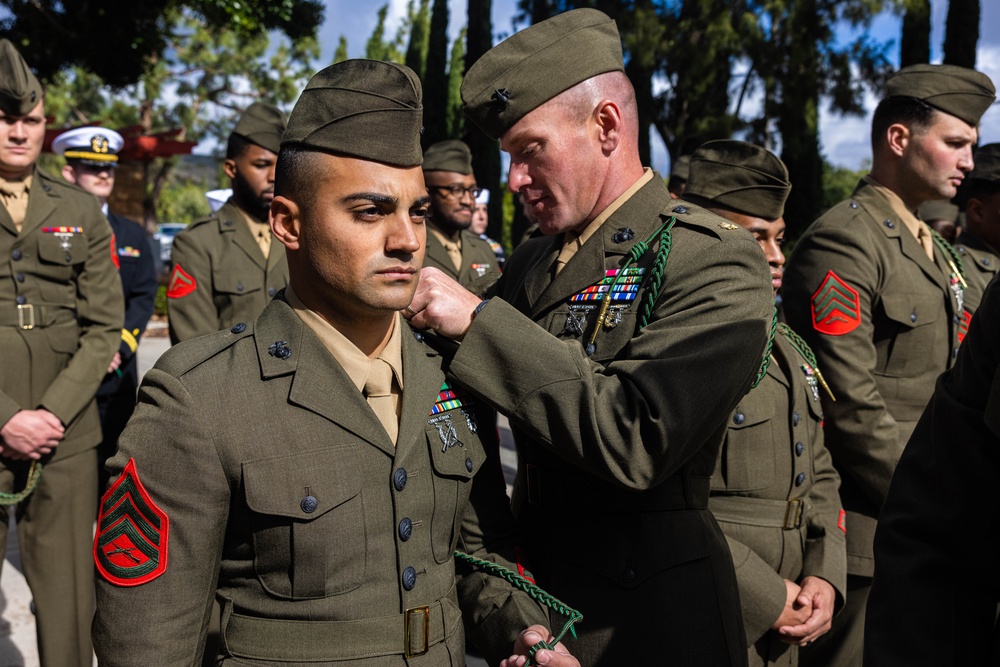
{"type": "Point", "coordinates": [302, 486]}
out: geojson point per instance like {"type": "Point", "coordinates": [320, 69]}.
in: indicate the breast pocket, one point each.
{"type": "Point", "coordinates": [237, 281]}
{"type": "Point", "coordinates": [456, 456]}
{"type": "Point", "coordinates": [575, 322]}
{"type": "Point", "coordinates": [747, 461]}
{"type": "Point", "coordinates": [308, 523]}
{"type": "Point", "coordinates": [57, 256]}
{"type": "Point", "coordinates": [910, 336]}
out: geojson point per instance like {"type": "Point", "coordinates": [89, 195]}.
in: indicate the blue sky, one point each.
{"type": "Point", "coordinates": [844, 139]}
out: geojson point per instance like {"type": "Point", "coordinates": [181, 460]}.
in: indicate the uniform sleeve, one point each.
{"type": "Point", "coordinates": [100, 311]}
{"type": "Point", "coordinates": [861, 433]}
{"type": "Point", "coordinates": [825, 554]}
{"type": "Point", "coordinates": [934, 596]}
{"type": "Point", "coordinates": [494, 611]}
{"type": "Point", "coordinates": [139, 300]}
{"type": "Point", "coordinates": [164, 621]}
{"type": "Point", "coordinates": [190, 307]}
{"type": "Point", "coordinates": [762, 590]}
{"type": "Point", "coordinates": [637, 420]}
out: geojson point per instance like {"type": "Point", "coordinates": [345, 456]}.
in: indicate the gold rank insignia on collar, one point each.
{"type": "Point", "coordinates": [728, 225]}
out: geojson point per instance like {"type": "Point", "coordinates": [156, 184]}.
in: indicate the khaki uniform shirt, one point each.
{"type": "Point", "coordinates": [615, 450]}
{"type": "Point", "coordinates": [883, 320]}
{"type": "Point", "coordinates": [282, 496]}
{"type": "Point", "coordinates": [61, 309]}
{"type": "Point", "coordinates": [220, 276]}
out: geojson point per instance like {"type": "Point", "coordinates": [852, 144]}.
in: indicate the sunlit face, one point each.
{"type": "Point", "coordinates": [452, 199]}
{"type": "Point", "coordinates": [360, 242]}
{"type": "Point", "coordinates": [98, 181]}
{"type": "Point", "coordinates": [252, 173]}
{"type": "Point", "coordinates": [770, 235]}
{"type": "Point", "coordinates": [480, 219]}
{"type": "Point", "coordinates": [936, 159]}
{"type": "Point", "coordinates": [21, 139]}
{"type": "Point", "coordinates": [554, 159]}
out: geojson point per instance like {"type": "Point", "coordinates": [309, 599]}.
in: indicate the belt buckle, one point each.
{"type": "Point", "coordinates": [30, 309]}
{"type": "Point", "coordinates": [408, 616]}
{"type": "Point", "coordinates": [793, 514]}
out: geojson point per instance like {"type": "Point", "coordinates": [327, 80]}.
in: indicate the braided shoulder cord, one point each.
{"type": "Point", "coordinates": [798, 343]}
{"type": "Point", "coordinates": [766, 361]}
{"type": "Point", "coordinates": [533, 591]}
{"type": "Point", "coordinates": [659, 267]}
{"type": "Point", "coordinates": [34, 474]}
{"type": "Point", "coordinates": [949, 251]}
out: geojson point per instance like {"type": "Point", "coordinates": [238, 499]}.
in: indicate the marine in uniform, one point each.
{"type": "Point", "coordinates": [774, 491]}
{"type": "Point", "coordinates": [941, 216]}
{"type": "Point", "coordinates": [60, 324]}
{"type": "Point", "coordinates": [313, 469]}
{"type": "Point", "coordinates": [979, 242]}
{"type": "Point", "coordinates": [935, 594]}
{"type": "Point", "coordinates": [679, 171]}
{"type": "Point", "coordinates": [879, 298]}
{"type": "Point", "coordinates": [91, 158]}
{"type": "Point", "coordinates": [603, 336]}
{"type": "Point", "coordinates": [226, 268]}
{"type": "Point", "coordinates": [452, 187]}
{"type": "Point", "coordinates": [480, 221]}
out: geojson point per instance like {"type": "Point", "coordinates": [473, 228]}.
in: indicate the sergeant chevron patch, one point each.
{"type": "Point", "coordinates": [963, 325]}
{"type": "Point", "coordinates": [836, 309]}
{"type": "Point", "coordinates": [130, 547]}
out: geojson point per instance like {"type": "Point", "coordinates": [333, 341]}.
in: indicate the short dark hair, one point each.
{"type": "Point", "coordinates": [980, 188]}
{"type": "Point", "coordinates": [914, 113]}
{"type": "Point", "coordinates": [295, 175]}
{"type": "Point", "coordinates": [237, 146]}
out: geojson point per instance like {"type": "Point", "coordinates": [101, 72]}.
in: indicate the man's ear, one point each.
{"type": "Point", "coordinates": [285, 222]}
{"type": "Point", "coordinates": [897, 138]}
{"type": "Point", "coordinates": [974, 210]}
{"type": "Point", "coordinates": [69, 174]}
{"type": "Point", "coordinates": [229, 166]}
{"type": "Point", "coordinates": [608, 117]}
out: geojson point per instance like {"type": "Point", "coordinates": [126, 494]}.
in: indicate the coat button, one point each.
{"type": "Point", "coordinates": [405, 529]}
{"type": "Point", "coordinates": [21, 299]}
{"type": "Point", "coordinates": [854, 204]}
{"type": "Point", "coordinates": [680, 209]}
{"type": "Point", "coordinates": [739, 418]}
{"type": "Point", "coordinates": [468, 464]}
{"type": "Point", "coordinates": [271, 291]}
{"type": "Point", "coordinates": [308, 504]}
{"type": "Point", "coordinates": [957, 319]}
{"type": "Point", "coordinates": [913, 317]}
{"type": "Point", "coordinates": [239, 328]}
{"type": "Point", "coordinates": [227, 223]}
{"type": "Point", "coordinates": [628, 576]}
{"type": "Point", "coordinates": [799, 448]}
{"type": "Point", "coordinates": [399, 479]}
{"type": "Point", "coordinates": [409, 578]}
{"type": "Point", "coordinates": [800, 479]}
{"type": "Point", "coordinates": [20, 277]}
{"type": "Point", "coordinates": [16, 255]}
{"type": "Point", "coordinates": [419, 336]}
{"type": "Point", "coordinates": [889, 223]}
{"type": "Point", "coordinates": [986, 261]}
{"type": "Point", "coordinates": [795, 419]}
{"type": "Point", "coordinates": [69, 257]}
{"type": "Point", "coordinates": [239, 287]}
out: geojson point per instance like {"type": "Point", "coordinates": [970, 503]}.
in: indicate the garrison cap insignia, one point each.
{"type": "Point", "coordinates": [500, 98]}
{"type": "Point", "coordinates": [181, 283]}
{"type": "Point", "coordinates": [131, 543]}
{"type": "Point", "coordinates": [963, 325]}
{"type": "Point", "coordinates": [836, 308]}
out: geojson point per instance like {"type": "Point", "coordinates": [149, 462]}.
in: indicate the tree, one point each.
{"type": "Point", "coordinates": [915, 44]}
{"type": "Point", "coordinates": [118, 40]}
{"type": "Point", "coordinates": [340, 55]}
{"type": "Point", "coordinates": [416, 51]}
{"type": "Point", "coordinates": [436, 77]}
{"type": "Point", "coordinates": [456, 72]}
{"type": "Point", "coordinates": [377, 48]}
{"type": "Point", "coordinates": [961, 33]}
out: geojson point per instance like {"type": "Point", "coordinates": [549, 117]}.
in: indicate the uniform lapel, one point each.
{"type": "Point", "coordinates": [437, 253]}
{"type": "Point", "coordinates": [319, 384]}
{"type": "Point", "coordinates": [40, 205]}
{"type": "Point", "coordinates": [784, 362]}
{"type": "Point", "coordinates": [539, 276]}
{"type": "Point", "coordinates": [243, 239]}
{"type": "Point", "coordinates": [422, 377]}
{"type": "Point", "coordinates": [276, 255]}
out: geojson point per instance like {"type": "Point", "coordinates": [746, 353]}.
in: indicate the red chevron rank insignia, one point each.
{"type": "Point", "coordinates": [130, 547]}
{"type": "Point", "coordinates": [836, 309]}
{"type": "Point", "coordinates": [181, 283]}
{"type": "Point", "coordinates": [114, 255]}
{"type": "Point", "coordinates": [963, 325]}
{"type": "Point", "coordinates": [842, 521]}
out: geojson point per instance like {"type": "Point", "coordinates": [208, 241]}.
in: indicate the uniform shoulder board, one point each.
{"type": "Point", "coordinates": [189, 354]}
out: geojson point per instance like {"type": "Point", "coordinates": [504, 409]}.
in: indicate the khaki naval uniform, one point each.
{"type": "Point", "coordinates": [324, 542]}
{"type": "Point", "coordinates": [61, 313]}
{"type": "Point", "coordinates": [936, 591]}
{"type": "Point", "coordinates": [892, 319]}
{"type": "Point", "coordinates": [615, 450]}
{"type": "Point", "coordinates": [220, 275]}
{"type": "Point", "coordinates": [774, 493]}
{"type": "Point", "coordinates": [981, 263]}
{"type": "Point", "coordinates": [478, 258]}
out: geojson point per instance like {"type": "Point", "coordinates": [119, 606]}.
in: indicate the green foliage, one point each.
{"type": "Point", "coordinates": [341, 53]}
{"type": "Point", "coordinates": [456, 70]}
{"type": "Point", "coordinates": [839, 182]}
{"type": "Point", "coordinates": [182, 202]}
{"type": "Point", "coordinates": [160, 303]}
{"type": "Point", "coordinates": [377, 48]}
{"type": "Point", "coordinates": [420, 26]}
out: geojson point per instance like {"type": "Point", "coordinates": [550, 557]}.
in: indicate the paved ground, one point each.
{"type": "Point", "coordinates": [17, 623]}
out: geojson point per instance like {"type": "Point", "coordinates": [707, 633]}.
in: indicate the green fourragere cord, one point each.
{"type": "Point", "coordinates": [34, 474]}
{"type": "Point", "coordinates": [533, 591]}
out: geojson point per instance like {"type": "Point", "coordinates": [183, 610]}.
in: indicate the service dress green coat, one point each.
{"type": "Point", "coordinates": [615, 450]}
{"type": "Point", "coordinates": [478, 259]}
{"type": "Point", "coordinates": [883, 320]}
{"type": "Point", "coordinates": [259, 475]}
{"type": "Point", "coordinates": [774, 493]}
{"type": "Point", "coordinates": [981, 263]}
{"type": "Point", "coordinates": [220, 276]}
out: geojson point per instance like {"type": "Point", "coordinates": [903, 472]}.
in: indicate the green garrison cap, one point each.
{"type": "Point", "coordinates": [534, 65]}
{"type": "Point", "coordinates": [20, 90]}
{"type": "Point", "coordinates": [740, 176]}
{"type": "Point", "coordinates": [262, 124]}
{"type": "Point", "coordinates": [987, 163]}
{"type": "Point", "coordinates": [937, 209]}
{"type": "Point", "coordinates": [367, 109]}
{"type": "Point", "coordinates": [959, 91]}
{"type": "Point", "coordinates": [452, 155]}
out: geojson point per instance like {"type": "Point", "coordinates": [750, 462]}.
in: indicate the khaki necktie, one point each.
{"type": "Point", "coordinates": [570, 246]}
{"type": "Point", "coordinates": [14, 195]}
{"type": "Point", "coordinates": [455, 253]}
{"type": "Point", "coordinates": [378, 391]}
{"type": "Point", "coordinates": [926, 240]}
{"type": "Point", "coordinates": [264, 240]}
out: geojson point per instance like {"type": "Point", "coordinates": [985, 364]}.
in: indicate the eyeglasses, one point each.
{"type": "Point", "coordinates": [456, 191]}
